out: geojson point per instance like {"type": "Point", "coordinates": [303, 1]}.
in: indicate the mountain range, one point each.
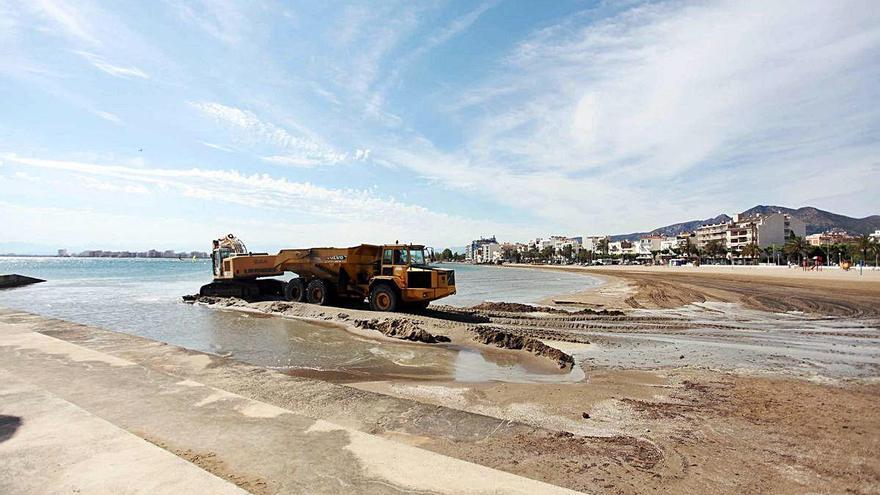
{"type": "Point", "coordinates": [815, 219]}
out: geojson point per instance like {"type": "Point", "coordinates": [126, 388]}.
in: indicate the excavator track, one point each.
{"type": "Point", "coordinates": [244, 289]}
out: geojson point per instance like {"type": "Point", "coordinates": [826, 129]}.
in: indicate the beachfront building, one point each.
{"type": "Point", "coordinates": [741, 232]}
{"type": "Point", "coordinates": [668, 244]}
{"type": "Point", "coordinates": [776, 228]}
{"type": "Point", "coordinates": [715, 232]}
{"type": "Point", "coordinates": [648, 244]}
{"type": "Point", "coordinates": [559, 244]}
{"type": "Point", "coordinates": [483, 250]}
{"type": "Point", "coordinates": [763, 230]}
{"type": "Point", "coordinates": [591, 242]}
{"type": "Point", "coordinates": [833, 236]}
{"type": "Point", "coordinates": [875, 236]}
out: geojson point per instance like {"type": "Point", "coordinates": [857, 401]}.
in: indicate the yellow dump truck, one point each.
{"type": "Point", "coordinates": [391, 277]}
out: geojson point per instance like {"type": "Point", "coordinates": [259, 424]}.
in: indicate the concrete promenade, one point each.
{"type": "Point", "coordinates": [85, 410]}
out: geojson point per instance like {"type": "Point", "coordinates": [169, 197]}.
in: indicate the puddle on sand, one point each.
{"type": "Point", "coordinates": [328, 352]}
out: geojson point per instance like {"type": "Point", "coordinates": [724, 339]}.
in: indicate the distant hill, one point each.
{"type": "Point", "coordinates": [815, 219]}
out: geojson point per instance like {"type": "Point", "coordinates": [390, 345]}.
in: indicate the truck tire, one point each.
{"type": "Point", "coordinates": [383, 298]}
{"type": "Point", "coordinates": [295, 290]}
{"type": "Point", "coordinates": [318, 292]}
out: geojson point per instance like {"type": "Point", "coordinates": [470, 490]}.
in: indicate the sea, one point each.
{"type": "Point", "coordinates": [143, 297]}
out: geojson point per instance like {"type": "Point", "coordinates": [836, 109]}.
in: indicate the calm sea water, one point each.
{"type": "Point", "coordinates": [142, 297]}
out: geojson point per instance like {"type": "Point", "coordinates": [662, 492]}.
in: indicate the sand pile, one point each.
{"type": "Point", "coordinates": [506, 307]}
{"type": "Point", "coordinates": [500, 338]}
{"type": "Point", "coordinates": [400, 328]}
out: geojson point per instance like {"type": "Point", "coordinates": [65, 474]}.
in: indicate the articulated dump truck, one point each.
{"type": "Point", "coordinates": [391, 277]}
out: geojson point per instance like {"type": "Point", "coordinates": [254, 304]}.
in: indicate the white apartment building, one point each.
{"type": "Point", "coordinates": [475, 252]}
{"type": "Point", "coordinates": [763, 230]}
{"type": "Point", "coordinates": [488, 253]}
{"type": "Point", "coordinates": [591, 242]}
{"type": "Point", "coordinates": [711, 232]}
{"type": "Point", "coordinates": [669, 244]}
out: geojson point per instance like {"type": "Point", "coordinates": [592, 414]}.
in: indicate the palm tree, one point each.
{"type": "Point", "coordinates": [863, 244]}
{"type": "Point", "coordinates": [714, 249]}
{"type": "Point", "coordinates": [769, 251]}
{"type": "Point", "coordinates": [603, 246]}
{"type": "Point", "coordinates": [751, 250]}
{"type": "Point", "coordinates": [875, 247]}
{"type": "Point", "coordinates": [796, 246]}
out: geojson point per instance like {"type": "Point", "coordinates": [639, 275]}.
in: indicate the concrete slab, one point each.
{"type": "Point", "coordinates": [49, 445]}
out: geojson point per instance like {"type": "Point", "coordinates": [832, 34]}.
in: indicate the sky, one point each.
{"type": "Point", "coordinates": [166, 124]}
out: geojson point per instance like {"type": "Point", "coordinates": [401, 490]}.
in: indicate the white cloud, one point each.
{"type": "Point", "coordinates": [108, 116]}
{"type": "Point", "coordinates": [115, 187]}
{"type": "Point", "coordinates": [69, 18]}
{"type": "Point", "coordinates": [297, 150]}
{"type": "Point", "coordinates": [218, 147]}
{"type": "Point", "coordinates": [223, 20]}
{"type": "Point", "coordinates": [114, 70]}
{"type": "Point", "coordinates": [348, 209]}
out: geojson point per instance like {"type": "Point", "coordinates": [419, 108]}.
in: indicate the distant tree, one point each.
{"type": "Point", "coordinates": [863, 244]}
{"type": "Point", "coordinates": [603, 246]}
{"type": "Point", "coordinates": [751, 250]}
{"type": "Point", "coordinates": [690, 248]}
{"type": "Point", "coordinates": [566, 252]}
{"type": "Point", "coordinates": [547, 252]}
{"type": "Point", "coordinates": [446, 255]}
{"type": "Point", "coordinates": [715, 249]}
{"type": "Point", "coordinates": [796, 246]}
{"type": "Point", "coordinates": [875, 247]}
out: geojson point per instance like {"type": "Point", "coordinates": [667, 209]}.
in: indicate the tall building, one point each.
{"type": "Point", "coordinates": [476, 253]}
{"type": "Point", "coordinates": [763, 230]}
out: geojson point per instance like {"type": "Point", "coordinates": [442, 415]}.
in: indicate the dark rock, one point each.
{"type": "Point", "coordinates": [15, 280]}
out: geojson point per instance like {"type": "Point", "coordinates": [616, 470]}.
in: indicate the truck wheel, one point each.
{"type": "Point", "coordinates": [383, 298]}
{"type": "Point", "coordinates": [295, 290]}
{"type": "Point", "coordinates": [317, 292]}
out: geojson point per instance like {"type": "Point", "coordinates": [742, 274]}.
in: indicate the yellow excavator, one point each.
{"type": "Point", "coordinates": [390, 277]}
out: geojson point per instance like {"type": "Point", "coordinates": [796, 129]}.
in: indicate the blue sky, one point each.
{"type": "Point", "coordinates": [130, 125]}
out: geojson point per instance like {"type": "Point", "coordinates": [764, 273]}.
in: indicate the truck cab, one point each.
{"type": "Point", "coordinates": [417, 283]}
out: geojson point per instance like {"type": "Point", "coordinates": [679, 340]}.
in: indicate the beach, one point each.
{"type": "Point", "coordinates": [695, 380]}
{"type": "Point", "coordinates": [830, 291]}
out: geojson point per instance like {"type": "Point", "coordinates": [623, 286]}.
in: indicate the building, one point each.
{"type": "Point", "coordinates": [649, 243]}
{"type": "Point", "coordinates": [475, 252]}
{"type": "Point", "coordinates": [763, 230]}
{"type": "Point", "coordinates": [591, 243]}
{"type": "Point", "coordinates": [834, 236]}
{"type": "Point", "coordinates": [776, 228]}
{"type": "Point", "coordinates": [875, 236]}
{"type": "Point", "coordinates": [716, 232]}
{"type": "Point", "coordinates": [62, 253]}
{"type": "Point", "coordinates": [668, 244]}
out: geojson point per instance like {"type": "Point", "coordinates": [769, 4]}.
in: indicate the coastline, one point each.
{"type": "Point", "coordinates": [828, 292]}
